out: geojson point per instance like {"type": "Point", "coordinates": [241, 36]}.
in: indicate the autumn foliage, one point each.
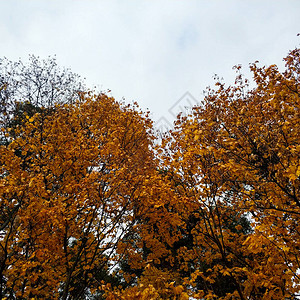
{"type": "Point", "coordinates": [93, 208]}
{"type": "Point", "coordinates": [70, 182]}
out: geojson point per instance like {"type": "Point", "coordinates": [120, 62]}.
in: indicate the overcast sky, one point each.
{"type": "Point", "coordinates": [154, 51]}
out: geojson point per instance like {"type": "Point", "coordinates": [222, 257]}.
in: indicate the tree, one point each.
{"type": "Point", "coordinates": [24, 91]}
{"type": "Point", "coordinates": [29, 87]}
{"type": "Point", "coordinates": [238, 155]}
{"type": "Point", "coordinates": [40, 82]}
{"type": "Point", "coordinates": [70, 182]}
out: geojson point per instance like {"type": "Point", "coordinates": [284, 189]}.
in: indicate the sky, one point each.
{"type": "Point", "coordinates": [160, 53]}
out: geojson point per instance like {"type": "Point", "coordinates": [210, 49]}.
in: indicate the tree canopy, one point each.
{"type": "Point", "coordinates": [93, 208]}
